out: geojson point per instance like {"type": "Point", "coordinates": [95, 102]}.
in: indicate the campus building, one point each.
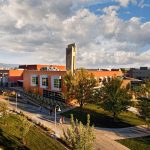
{"type": "Point", "coordinates": [142, 73]}
{"type": "Point", "coordinates": [49, 83]}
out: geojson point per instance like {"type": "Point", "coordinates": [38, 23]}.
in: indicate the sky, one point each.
{"type": "Point", "coordinates": [107, 33]}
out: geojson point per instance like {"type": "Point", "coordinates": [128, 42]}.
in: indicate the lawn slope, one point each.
{"type": "Point", "coordinates": [36, 139]}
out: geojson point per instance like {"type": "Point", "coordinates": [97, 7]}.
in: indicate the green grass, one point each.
{"type": "Point", "coordinates": [142, 143]}
{"type": "Point", "coordinates": [101, 118]}
{"type": "Point", "coordinates": [36, 139]}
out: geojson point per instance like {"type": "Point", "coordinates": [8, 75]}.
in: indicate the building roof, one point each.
{"type": "Point", "coordinates": [106, 73]}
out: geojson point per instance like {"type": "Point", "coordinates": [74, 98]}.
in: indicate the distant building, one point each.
{"type": "Point", "coordinates": [3, 77]}
{"type": "Point", "coordinates": [11, 77]}
{"type": "Point", "coordinates": [142, 73]}
{"type": "Point", "coordinates": [39, 67]}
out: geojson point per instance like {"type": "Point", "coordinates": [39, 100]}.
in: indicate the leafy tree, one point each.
{"type": "Point", "coordinates": [79, 86]}
{"type": "Point", "coordinates": [25, 127]}
{"type": "Point", "coordinates": [144, 101]}
{"type": "Point", "coordinates": [80, 137]}
{"type": "Point", "coordinates": [115, 97]}
{"type": "Point", "coordinates": [145, 109]}
{"type": "Point", "coordinates": [142, 90]}
{"type": "Point", "coordinates": [3, 110]}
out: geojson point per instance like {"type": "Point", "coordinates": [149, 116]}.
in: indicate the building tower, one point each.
{"type": "Point", "coordinates": [71, 57]}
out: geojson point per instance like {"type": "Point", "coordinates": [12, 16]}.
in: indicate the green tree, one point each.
{"type": "Point", "coordinates": [3, 111]}
{"type": "Point", "coordinates": [25, 127]}
{"type": "Point", "coordinates": [142, 90]}
{"type": "Point", "coordinates": [145, 109]}
{"type": "Point", "coordinates": [115, 97]}
{"type": "Point", "coordinates": [79, 86]}
{"type": "Point", "coordinates": [80, 137]}
{"type": "Point", "coordinates": [144, 101]}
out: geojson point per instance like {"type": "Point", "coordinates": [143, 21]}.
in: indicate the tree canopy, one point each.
{"type": "Point", "coordinates": [115, 97]}
{"type": "Point", "coordinates": [78, 136]}
{"type": "Point", "coordinates": [79, 86]}
{"type": "Point", "coordinates": [144, 101]}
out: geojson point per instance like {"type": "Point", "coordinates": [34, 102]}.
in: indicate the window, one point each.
{"type": "Point", "coordinates": [34, 80]}
{"type": "Point", "coordinates": [44, 81]}
{"type": "Point", "coordinates": [57, 83]}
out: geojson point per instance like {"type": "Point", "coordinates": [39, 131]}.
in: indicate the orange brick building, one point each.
{"type": "Point", "coordinates": [50, 83]}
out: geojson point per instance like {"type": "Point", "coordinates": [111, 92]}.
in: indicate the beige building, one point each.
{"type": "Point", "coordinates": [71, 57]}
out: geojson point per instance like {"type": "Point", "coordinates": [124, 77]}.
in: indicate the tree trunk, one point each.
{"type": "Point", "coordinates": [114, 116]}
{"type": "Point", "coordinates": [81, 105]}
{"type": "Point", "coordinates": [24, 141]}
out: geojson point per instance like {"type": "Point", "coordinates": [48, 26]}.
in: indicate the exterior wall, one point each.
{"type": "Point", "coordinates": [107, 73]}
{"type": "Point", "coordinates": [50, 74]}
{"type": "Point", "coordinates": [3, 77]}
{"type": "Point", "coordinates": [28, 67]}
{"type": "Point", "coordinates": [39, 66]}
{"type": "Point", "coordinates": [56, 75]}
{"type": "Point", "coordinates": [126, 82]}
{"type": "Point", "coordinates": [15, 75]}
{"type": "Point", "coordinates": [141, 74]}
{"type": "Point", "coordinates": [104, 76]}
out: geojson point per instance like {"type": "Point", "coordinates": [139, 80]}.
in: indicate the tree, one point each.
{"type": "Point", "coordinates": [25, 127]}
{"type": "Point", "coordinates": [145, 109]}
{"type": "Point", "coordinates": [115, 97]}
{"type": "Point", "coordinates": [79, 86]}
{"type": "Point", "coordinates": [142, 90]}
{"type": "Point", "coordinates": [80, 137]}
{"type": "Point", "coordinates": [3, 110]}
{"type": "Point", "coordinates": [144, 101]}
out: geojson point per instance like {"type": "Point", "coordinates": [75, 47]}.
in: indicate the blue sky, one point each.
{"type": "Point", "coordinates": [108, 33]}
{"type": "Point", "coordinates": [138, 9]}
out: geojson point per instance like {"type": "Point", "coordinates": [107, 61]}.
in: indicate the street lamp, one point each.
{"type": "Point", "coordinates": [55, 113]}
{"type": "Point", "coordinates": [17, 94]}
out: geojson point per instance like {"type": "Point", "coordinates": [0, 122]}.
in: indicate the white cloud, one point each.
{"type": "Point", "coordinates": [143, 4]}
{"type": "Point", "coordinates": [35, 31]}
{"type": "Point", "coordinates": [125, 3]}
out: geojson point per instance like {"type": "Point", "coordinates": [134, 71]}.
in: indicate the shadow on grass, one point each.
{"type": "Point", "coordinates": [96, 119]}
{"type": "Point", "coordinates": [142, 143]}
{"type": "Point", "coordinates": [10, 143]}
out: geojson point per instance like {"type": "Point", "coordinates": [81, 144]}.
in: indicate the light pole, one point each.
{"type": "Point", "coordinates": [17, 94]}
{"type": "Point", "coordinates": [55, 113]}
{"type": "Point", "coordinates": [8, 99]}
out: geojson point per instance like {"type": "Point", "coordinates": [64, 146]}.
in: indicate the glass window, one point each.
{"type": "Point", "coordinates": [57, 83]}
{"type": "Point", "coordinates": [44, 81]}
{"type": "Point", "coordinates": [34, 80]}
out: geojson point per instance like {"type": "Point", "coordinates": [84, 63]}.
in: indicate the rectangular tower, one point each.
{"type": "Point", "coordinates": [71, 57]}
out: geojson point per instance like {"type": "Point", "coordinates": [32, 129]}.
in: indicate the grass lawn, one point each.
{"type": "Point", "coordinates": [142, 143]}
{"type": "Point", "coordinates": [36, 139]}
{"type": "Point", "coordinates": [101, 118]}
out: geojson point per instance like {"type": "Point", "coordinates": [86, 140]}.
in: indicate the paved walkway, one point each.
{"type": "Point", "coordinates": [105, 138]}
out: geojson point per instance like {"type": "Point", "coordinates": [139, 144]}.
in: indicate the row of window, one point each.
{"type": "Point", "coordinates": [56, 82]}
